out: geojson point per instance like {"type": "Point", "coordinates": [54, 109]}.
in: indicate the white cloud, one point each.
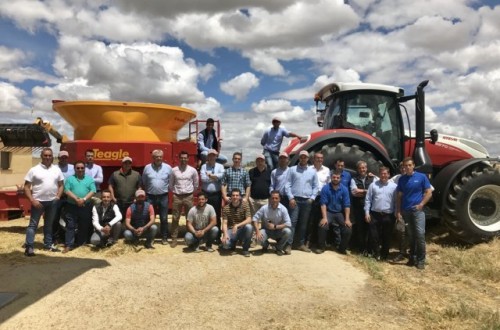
{"type": "Point", "coordinates": [240, 86]}
{"type": "Point", "coordinates": [11, 98]}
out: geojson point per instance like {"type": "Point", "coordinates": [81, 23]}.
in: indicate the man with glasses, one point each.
{"type": "Point", "coordinates": [93, 170]}
{"type": "Point", "coordinates": [155, 179]}
{"type": "Point", "coordinates": [236, 177]}
{"type": "Point", "coordinates": [43, 186]}
{"type": "Point", "coordinates": [183, 182]}
{"type": "Point", "coordinates": [123, 184]}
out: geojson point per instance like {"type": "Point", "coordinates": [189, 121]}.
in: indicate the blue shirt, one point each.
{"type": "Point", "coordinates": [279, 181]}
{"type": "Point", "coordinates": [155, 178]}
{"type": "Point", "coordinates": [413, 188]}
{"type": "Point", "coordinates": [202, 146]}
{"type": "Point", "coordinates": [208, 184]}
{"type": "Point", "coordinates": [335, 200]}
{"type": "Point", "coordinates": [381, 197]}
{"type": "Point", "coordinates": [272, 138]}
{"type": "Point", "coordinates": [276, 216]}
{"type": "Point", "coordinates": [79, 187]}
{"type": "Point", "coordinates": [302, 182]}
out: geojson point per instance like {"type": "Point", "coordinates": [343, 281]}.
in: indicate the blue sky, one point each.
{"type": "Point", "coordinates": [246, 61]}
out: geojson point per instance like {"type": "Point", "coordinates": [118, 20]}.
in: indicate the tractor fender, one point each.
{"type": "Point", "coordinates": [443, 180]}
{"type": "Point", "coordinates": [364, 140]}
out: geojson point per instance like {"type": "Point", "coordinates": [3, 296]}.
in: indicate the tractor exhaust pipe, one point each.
{"type": "Point", "coordinates": [421, 157]}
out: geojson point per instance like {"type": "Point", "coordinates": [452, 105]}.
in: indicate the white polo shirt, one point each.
{"type": "Point", "coordinates": [44, 181]}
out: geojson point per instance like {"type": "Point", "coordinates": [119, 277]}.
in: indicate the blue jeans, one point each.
{"type": "Point", "coordinates": [271, 159]}
{"type": "Point", "coordinates": [341, 233]}
{"type": "Point", "coordinates": [221, 159]}
{"type": "Point", "coordinates": [279, 235]}
{"type": "Point", "coordinates": [300, 220]}
{"type": "Point", "coordinates": [78, 218]}
{"type": "Point", "coordinates": [150, 234]}
{"type": "Point", "coordinates": [49, 209]}
{"type": "Point", "coordinates": [243, 234]}
{"type": "Point", "coordinates": [415, 224]}
{"type": "Point", "coordinates": [209, 238]}
{"type": "Point", "coordinates": [160, 203]}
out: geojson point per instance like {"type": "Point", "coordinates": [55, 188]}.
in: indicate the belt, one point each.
{"type": "Point", "coordinates": [183, 195]}
{"type": "Point", "coordinates": [301, 198]}
{"type": "Point", "coordinates": [211, 192]}
{"type": "Point", "coordinates": [381, 213]}
{"type": "Point", "coordinates": [159, 195]}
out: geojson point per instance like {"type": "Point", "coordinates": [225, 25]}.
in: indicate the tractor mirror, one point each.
{"type": "Point", "coordinates": [434, 135]}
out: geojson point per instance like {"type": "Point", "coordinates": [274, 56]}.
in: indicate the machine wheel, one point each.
{"type": "Point", "coordinates": [351, 154]}
{"type": "Point", "coordinates": [472, 209]}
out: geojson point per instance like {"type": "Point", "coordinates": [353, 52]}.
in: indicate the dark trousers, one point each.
{"type": "Point", "coordinates": [342, 233]}
{"type": "Point", "coordinates": [78, 219]}
{"type": "Point", "coordinates": [360, 237]}
{"type": "Point", "coordinates": [57, 230]}
{"type": "Point", "coordinates": [215, 199]}
{"type": "Point", "coordinates": [160, 205]}
{"type": "Point", "coordinates": [314, 220]}
{"type": "Point", "coordinates": [380, 228]}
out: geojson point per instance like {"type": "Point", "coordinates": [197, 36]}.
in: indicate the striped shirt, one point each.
{"type": "Point", "coordinates": [235, 215]}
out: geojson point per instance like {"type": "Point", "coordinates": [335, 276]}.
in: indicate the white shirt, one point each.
{"type": "Point", "coordinates": [95, 217]}
{"type": "Point", "coordinates": [323, 176]}
{"type": "Point", "coordinates": [44, 181]}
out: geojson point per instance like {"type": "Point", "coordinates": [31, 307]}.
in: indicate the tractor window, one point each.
{"type": "Point", "coordinates": [333, 117]}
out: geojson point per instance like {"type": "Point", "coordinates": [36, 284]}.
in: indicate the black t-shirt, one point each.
{"type": "Point", "coordinates": [261, 181]}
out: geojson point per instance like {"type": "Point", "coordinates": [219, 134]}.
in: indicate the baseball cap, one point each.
{"type": "Point", "coordinates": [212, 152]}
{"type": "Point", "coordinates": [276, 119]}
{"type": "Point", "coordinates": [260, 156]}
{"type": "Point", "coordinates": [283, 154]}
{"type": "Point", "coordinates": [140, 192]}
{"type": "Point", "coordinates": [304, 153]}
{"type": "Point", "coordinates": [63, 153]}
{"type": "Point", "coordinates": [126, 159]}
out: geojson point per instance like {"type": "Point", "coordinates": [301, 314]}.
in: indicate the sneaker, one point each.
{"type": "Point", "coordinates": [246, 253]}
{"type": "Point", "coordinates": [149, 245]}
{"type": "Point", "coordinates": [173, 243]}
{"type": "Point", "coordinates": [279, 252]}
{"type": "Point", "coordinates": [210, 249]}
{"type": "Point", "coordinates": [420, 265]}
{"type": "Point", "coordinates": [67, 249]}
{"type": "Point", "coordinates": [398, 258]}
{"type": "Point", "coordinates": [318, 251]}
{"type": "Point", "coordinates": [288, 250]}
{"type": "Point", "coordinates": [29, 252]}
{"type": "Point", "coordinates": [52, 248]}
{"type": "Point", "coordinates": [164, 241]}
{"type": "Point", "coordinates": [110, 243]}
{"type": "Point", "coordinates": [304, 248]}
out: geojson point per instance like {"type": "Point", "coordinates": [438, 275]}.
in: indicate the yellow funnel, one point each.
{"type": "Point", "coordinates": [112, 121]}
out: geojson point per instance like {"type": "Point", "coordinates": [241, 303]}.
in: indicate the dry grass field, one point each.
{"type": "Point", "coordinates": [130, 287]}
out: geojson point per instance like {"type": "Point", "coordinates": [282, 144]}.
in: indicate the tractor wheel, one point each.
{"type": "Point", "coordinates": [351, 154]}
{"type": "Point", "coordinates": [472, 209]}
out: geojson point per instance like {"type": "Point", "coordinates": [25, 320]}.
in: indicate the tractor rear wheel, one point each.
{"type": "Point", "coordinates": [472, 209]}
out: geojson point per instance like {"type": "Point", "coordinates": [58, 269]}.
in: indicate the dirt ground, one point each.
{"type": "Point", "coordinates": [131, 287]}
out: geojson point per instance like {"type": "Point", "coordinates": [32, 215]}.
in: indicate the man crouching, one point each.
{"type": "Point", "coordinates": [139, 221]}
{"type": "Point", "coordinates": [106, 220]}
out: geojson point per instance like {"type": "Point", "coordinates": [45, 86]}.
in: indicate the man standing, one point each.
{"type": "Point", "coordinates": [334, 204]}
{"type": "Point", "coordinates": [359, 187]}
{"type": "Point", "coordinates": [414, 191]}
{"type": "Point", "coordinates": [200, 225]}
{"type": "Point", "coordinates": [271, 141]}
{"type": "Point", "coordinates": [345, 176]}
{"type": "Point", "coordinates": [66, 168]}
{"type": "Point", "coordinates": [93, 170]}
{"type": "Point", "coordinates": [236, 223]}
{"type": "Point", "coordinates": [260, 178]}
{"type": "Point", "coordinates": [43, 186]}
{"type": "Point", "coordinates": [323, 174]}
{"type": "Point", "coordinates": [275, 223]}
{"type": "Point", "coordinates": [279, 178]}
{"type": "Point", "coordinates": [207, 139]}
{"type": "Point", "coordinates": [106, 221]}
{"type": "Point", "coordinates": [79, 188]}
{"type": "Point", "coordinates": [183, 182]}
{"type": "Point", "coordinates": [155, 179]}
{"type": "Point", "coordinates": [211, 183]}
{"type": "Point", "coordinates": [140, 221]}
{"type": "Point", "coordinates": [303, 182]}
{"type": "Point", "coordinates": [67, 171]}
{"type": "Point", "coordinates": [379, 213]}
{"type": "Point", "coordinates": [236, 177]}
{"type": "Point", "coordinates": [123, 183]}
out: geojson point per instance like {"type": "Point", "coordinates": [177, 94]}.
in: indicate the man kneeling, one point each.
{"type": "Point", "coordinates": [106, 220]}
{"type": "Point", "coordinates": [276, 224]}
{"type": "Point", "coordinates": [201, 225]}
{"type": "Point", "coordinates": [139, 221]}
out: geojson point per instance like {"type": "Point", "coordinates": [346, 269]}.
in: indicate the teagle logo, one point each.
{"type": "Point", "coordinates": [110, 155]}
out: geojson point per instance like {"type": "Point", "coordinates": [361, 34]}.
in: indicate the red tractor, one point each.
{"type": "Point", "coordinates": [366, 122]}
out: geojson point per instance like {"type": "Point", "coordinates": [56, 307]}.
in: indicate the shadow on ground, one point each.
{"type": "Point", "coordinates": [31, 279]}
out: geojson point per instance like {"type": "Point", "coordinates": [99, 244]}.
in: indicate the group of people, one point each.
{"type": "Point", "coordinates": [301, 207]}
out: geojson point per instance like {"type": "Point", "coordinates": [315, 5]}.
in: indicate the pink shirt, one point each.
{"type": "Point", "coordinates": [183, 182]}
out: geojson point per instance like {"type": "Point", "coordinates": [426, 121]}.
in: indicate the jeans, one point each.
{"type": "Point", "coordinates": [57, 230]}
{"type": "Point", "coordinates": [49, 209]}
{"type": "Point", "coordinates": [81, 218]}
{"type": "Point", "coordinates": [380, 229]}
{"type": "Point", "coordinates": [279, 235]}
{"type": "Point", "coordinates": [300, 219]}
{"type": "Point", "coordinates": [160, 204]}
{"type": "Point", "coordinates": [98, 239]}
{"type": "Point", "coordinates": [221, 159]}
{"type": "Point", "coordinates": [415, 221]}
{"type": "Point", "coordinates": [178, 202]}
{"type": "Point", "coordinates": [215, 199]}
{"type": "Point", "coordinates": [341, 232]}
{"type": "Point", "coordinates": [243, 234]}
{"type": "Point", "coordinates": [271, 159]}
{"type": "Point", "coordinates": [149, 233]}
{"type": "Point", "coordinates": [209, 238]}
